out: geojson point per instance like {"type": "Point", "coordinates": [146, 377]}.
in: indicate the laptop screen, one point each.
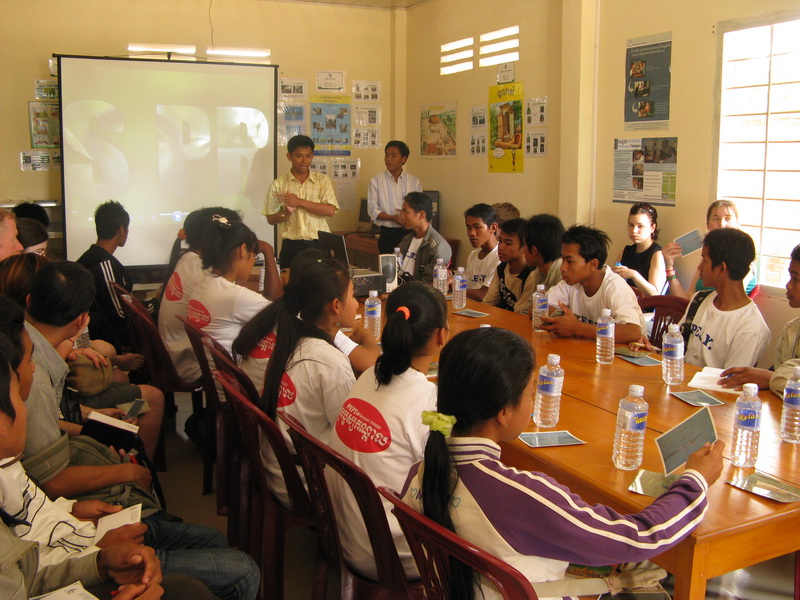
{"type": "Point", "coordinates": [333, 245]}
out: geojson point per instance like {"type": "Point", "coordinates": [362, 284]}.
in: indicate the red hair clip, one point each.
{"type": "Point", "coordinates": [405, 311]}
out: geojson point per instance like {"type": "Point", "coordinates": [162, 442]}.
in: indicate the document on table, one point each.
{"type": "Point", "coordinates": [650, 483]}
{"type": "Point", "coordinates": [763, 485]}
{"type": "Point", "coordinates": [675, 445]}
{"type": "Point", "coordinates": [126, 516]}
{"type": "Point", "coordinates": [642, 361]}
{"type": "Point", "coordinates": [697, 398]}
{"type": "Point", "coordinates": [707, 379]}
{"type": "Point", "coordinates": [75, 591]}
{"type": "Point", "coordinates": [468, 312]}
{"type": "Point", "coordinates": [545, 439]}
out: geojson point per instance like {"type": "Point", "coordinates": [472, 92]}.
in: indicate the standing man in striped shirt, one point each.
{"type": "Point", "coordinates": [386, 193]}
{"type": "Point", "coordinates": [300, 202]}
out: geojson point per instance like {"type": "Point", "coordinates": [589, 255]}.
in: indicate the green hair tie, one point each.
{"type": "Point", "coordinates": [438, 422]}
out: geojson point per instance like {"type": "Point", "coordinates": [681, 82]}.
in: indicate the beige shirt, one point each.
{"type": "Point", "coordinates": [302, 224]}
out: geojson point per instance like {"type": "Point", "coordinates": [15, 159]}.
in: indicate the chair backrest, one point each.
{"type": "Point", "coordinates": [223, 362]}
{"type": "Point", "coordinates": [433, 545]}
{"type": "Point", "coordinates": [251, 420]}
{"type": "Point", "coordinates": [315, 457]}
{"type": "Point", "coordinates": [196, 336]}
{"type": "Point", "coordinates": [668, 309]}
{"type": "Point", "coordinates": [148, 341]}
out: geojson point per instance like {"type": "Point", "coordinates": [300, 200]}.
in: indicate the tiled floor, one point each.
{"type": "Point", "coordinates": [770, 580]}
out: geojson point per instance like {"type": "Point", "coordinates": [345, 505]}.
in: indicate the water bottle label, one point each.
{"type": "Point", "coordinates": [636, 421]}
{"type": "Point", "coordinates": [672, 350]}
{"type": "Point", "coordinates": [549, 385]}
{"type": "Point", "coordinates": [605, 330]}
{"type": "Point", "coordinates": [542, 304]}
{"type": "Point", "coordinates": [462, 284]}
{"type": "Point", "coordinates": [791, 395]}
{"type": "Point", "coordinates": [748, 418]}
{"type": "Point", "coordinates": [372, 311]}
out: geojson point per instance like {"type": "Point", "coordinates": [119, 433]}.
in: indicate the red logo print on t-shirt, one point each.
{"type": "Point", "coordinates": [174, 291]}
{"type": "Point", "coordinates": [287, 393]}
{"type": "Point", "coordinates": [198, 314]}
{"type": "Point", "coordinates": [362, 427]}
{"type": "Point", "coordinates": [265, 346]}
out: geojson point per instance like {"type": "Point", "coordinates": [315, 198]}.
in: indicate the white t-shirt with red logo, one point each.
{"type": "Point", "coordinates": [313, 388]}
{"type": "Point", "coordinates": [220, 308]}
{"type": "Point", "coordinates": [381, 431]}
{"type": "Point", "coordinates": [188, 273]}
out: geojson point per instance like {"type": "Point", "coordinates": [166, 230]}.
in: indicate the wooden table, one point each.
{"type": "Point", "coordinates": [739, 528]}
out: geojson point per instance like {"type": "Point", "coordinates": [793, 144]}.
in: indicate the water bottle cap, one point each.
{"type": "Point", "coordinates": [751, 389]}
{"type": "Point", "coordinates": [553, 359]}
{"type": "Point", "coordinates": [606, 312]}
{"type": "Point", "coordinates": [439, 261]}
{"type": "Point", "coordinates": [397, 249]}
{"type": "Point", "coordinates": [373, 293]}
{"type": "Point", "coordinates": [796, 373]}
{"type": "Point", "coordinates": [539, 287]}
{"type": "Point", "coordinates": [636, 390]}
{"type": "Point", "coordinates": [460, 269]}
{"type": "Point", "coordinates": [673, 328]}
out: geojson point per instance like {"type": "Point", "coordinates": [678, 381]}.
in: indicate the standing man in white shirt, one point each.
{"type": "Point", "coordinates": [386, 193]}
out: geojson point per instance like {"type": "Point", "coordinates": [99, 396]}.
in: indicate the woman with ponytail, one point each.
{"type": "Point", "coordinates": [379, 427]}
{"type": "Point", "coordinates": [485, 397]}
{"type": "Point", "coordinates": [219, 305]}
{"type": "Point", "coordinates": [287, 350]}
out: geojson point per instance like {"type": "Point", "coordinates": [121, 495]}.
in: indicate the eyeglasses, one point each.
{"type": "Point", "coordinates": [39, 251]}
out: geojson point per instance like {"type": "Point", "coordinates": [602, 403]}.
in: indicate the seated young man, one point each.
{"type": "Point", "coordinates": [424, 244]}
{"type": "Point", "coordinates": [482, 262]}
{"type": "Point", "coordinates": [512, 286]}
{"type": "Point", "coordinates": [58, 305]}
{"type": "Point", "coordinates": [787, 350]}
{"type": "Point", "coordinates": [543, 249]}
{"type": "Point", "coordinates": [588, 286]}
{"type": "Point", "coordinates": [726, 328]}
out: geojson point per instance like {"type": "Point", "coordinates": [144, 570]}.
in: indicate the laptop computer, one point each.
{"type": "Point", "coordinates": [363, 279]}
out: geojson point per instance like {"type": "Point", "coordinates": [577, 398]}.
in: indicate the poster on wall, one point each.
{"type": "Point", "coordinates": [330, 124]}
{"type": "Point", "coordinates": [536, 112]}
{"type": "Point", "coordinates": [291, 121]}
{"type": "Point", "coordinates": [367, 91]}
{"type": "Point", "coordinates": [477, 143]}
{"type": "Point", "coordinates": [293, 90]}
{"type": "Point", "coordinates": [647, 82]}
{"type": "Point", "coordinates": [505, 128]}
{"type": "Point", "coordinates": [346, 168]}
{"type": "Point", "coordinates": [437, 134]}
{"type": "Point", "coordinates": [366, 137]}
{"type": "Point", "coordinates": [535, 142]}
{"type": "Point", "coordinates": [646, 170]}
{"type": "Point", "coordinates": [319, 165]}
{"type": "Point", "coordinates": [44, 121]}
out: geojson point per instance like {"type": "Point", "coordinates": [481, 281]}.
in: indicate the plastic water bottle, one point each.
{"type": "Point", "coordinates": [790, 418]}
{"type": "Point", "coordinates": [83, 340]}
{"type": "Point", "coordinates": [372, 314]}
{"type": "Point", "coordinates": [631, 425]}
{"type": "Point", "coordinates": [672, 355]}
{"type": "Point", "coordinates": [398, 254]}
{"type": "Point", "coordinates": [746, 427]}
{"type": "Point", "coordinates": [540, 307]}
{"type": "Point", "coordinates": [604, 342]}
{"type": "Point", "coordinates": [459, 289]}
{"type": "Point", "coordinates": [548, 392]}
{"type": "Point", "coordinates": [440, 276]}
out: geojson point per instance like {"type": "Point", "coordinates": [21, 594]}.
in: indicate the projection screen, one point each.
{"type": "Point", "coordinates": [163, 138]}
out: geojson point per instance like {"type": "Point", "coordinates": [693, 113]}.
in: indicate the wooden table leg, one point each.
{"type": "Point", "coordinates": [690, 575]}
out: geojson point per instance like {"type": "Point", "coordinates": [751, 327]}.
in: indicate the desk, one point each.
{"type": "Point", "coordinates": [739, 528]}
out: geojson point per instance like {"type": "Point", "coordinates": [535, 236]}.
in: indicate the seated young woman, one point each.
{"type": "Point", "coordinates": [386, 401]}
{"type": "Point", "coordinates": [219, 305]}
{"type": "Point", "coordinates": [287, 350]}
{"type": "Point", "coordinates": [642, 262]}
{"type": "Point", "coordinates": [720, 214]}
{"type": "Point", "coordinates": [485, 396]}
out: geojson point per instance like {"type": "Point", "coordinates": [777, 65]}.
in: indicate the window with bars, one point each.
{"type": "Point", "coordinates": [759, 140]}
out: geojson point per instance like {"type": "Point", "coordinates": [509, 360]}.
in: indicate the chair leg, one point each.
{"type": "Point", "coordinates": [273, 553]}
{"type": "Point", "coordinates": [197, 401]}
{"type": "Point", "coordinates": [224, 435]}
{"type": "Point", "coordinates": [797, 576]}
{"type": "Point", "coordinates": [319, 590]}
{"type": "Point", "coordinates": [209, 449]}
{"type": "Point", "coordinates": [243, 534]}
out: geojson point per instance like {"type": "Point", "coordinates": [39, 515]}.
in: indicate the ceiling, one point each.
{"type": "Point", "coordinates": [387, 4]}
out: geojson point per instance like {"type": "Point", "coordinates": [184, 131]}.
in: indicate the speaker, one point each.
{"type": "Point", "coordinates": [388, 266]}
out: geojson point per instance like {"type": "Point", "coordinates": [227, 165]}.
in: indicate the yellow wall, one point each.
{"type": "Point", "coordinates": [303, 38]}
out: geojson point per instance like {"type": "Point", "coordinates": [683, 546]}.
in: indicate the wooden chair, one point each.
{"type": "Point", "coordinates": [268, 541]}
{"type": "Point", "coordinates": [157, 362]}
{"type": "Point", "coordinates": [433, 546]}
{"type": "Point", "coordinates": [668, 309]}
{"type": "Point", "coordinates": [391, 582]}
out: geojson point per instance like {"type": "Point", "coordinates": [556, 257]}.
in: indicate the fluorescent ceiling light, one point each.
{"type": "Point", "coordinates": [174, 48]}
{"type": "Point", "coordinates": [499, 46]}
{"type": "Point", "coordinates": [493, 35]}
{"type": "Point", "coordinates": [243, 52]}
{"type": "Point", "coordinates": [458, 56]}
{"type": "Point", "coordinates": [459, 44]}
{"type": "Point", "coordinates": [499, 58]}
{"type": "Point", "coordinates": [456, 68]}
